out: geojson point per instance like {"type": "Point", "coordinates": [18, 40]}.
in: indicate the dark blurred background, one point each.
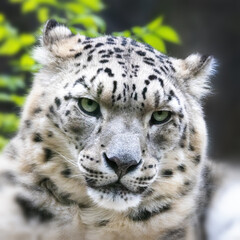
{"type": "Point", "coordinates": [208, 27]}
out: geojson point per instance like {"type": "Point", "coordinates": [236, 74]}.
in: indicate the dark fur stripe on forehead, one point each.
{"type": "Point", "coordinates": [81, 81]}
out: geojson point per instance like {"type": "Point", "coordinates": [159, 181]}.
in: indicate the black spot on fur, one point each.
{"type": "Point", "coordinates": [48, 154]}
{"type": "Point", "coordinates": [119, 97]}
{"type": "Point", "coordinates": [106, 56]}
{"type": "Point", "coordinates": [57, 102]}
{"type": "Point", "coordinates": [167, 173]}
{"type": "Point", "coordinates": [114, 86]}
{"type": "Point", "coordinates": [135, 97]}
{"type": "Point", "coordinates": [152, 77]}
{"type": "Point", "coordinates": [181, 115]}
{"type": "Point", "coordinates": [66, 172]}
{"type": "Point", "coordinates": [175, 234]}
{"type": "Point", "coordinates": [99, 70]}
{"type": "Point", "coordinates": [109, 72]}
{"type": "Point", "coordinates": [191, 147]}
{"type": "Point", "coordinates": [99, 89]}
{"type": "Point", "coordinates": [76, 129]}
{"type": "Point", "coordinates": [67, 113]}
{"type": "Point", "coordinates": [144, 215]}
{"type": "Point", "coordinates": [50, 134]}
{"type": "Point", "coordinates": [84, 205]}
{"type": "Point", "coordinates": [144, 93]}
{"type": "Point", "coordinates": [197, 159]}
{"type": "Point", "coordinates": [156, 71]}
{"type": "Point", "coordinates": [104, 61]}
{"type": "Point", "coordinates": [156, 99]}
{"type": "Point", "coordinates": [181, 168]}
{"type": "Point", "coordinates": [182, 145]}
{"type": "Point", "coordinates": [163, 70]}
{"type": "Point", "coordinates": [99, 45]}
{"type": "Point", "coordinates": [51, 109]}
{"type": "Point", "coordinates": [147, 82]}
{"type": "Point", "coordinates": [50, 186]}
{"type": "Point", "coordinates": [99, 130]}
{"type": "Point", "coordinates": [30, 211]}
{"type": "Point", "coordinates": [89, 59]}
{"type": "Point", "coordinates": [78, 55]}
{"type": "Point", "coordinates": [141, 53]}
{"type": "Point", "coordinates": [37, 110]}
{"type": "Point", "coordinates": [37, 137]}
{"type": "Point", "coordinates": [103, 223]}
{"type": "Point", "coordinates": [149, 63]}
{"type": "Point", "coordinates": [28, 123]}
{"type": "Point", "coordinates": [118, 50]}
{"type": "Point", "coordinates": [81, 80]}
{"type": "Point", "coordinates": [87, 46]}
{"type": "Point", "coordinates": [161, 81]}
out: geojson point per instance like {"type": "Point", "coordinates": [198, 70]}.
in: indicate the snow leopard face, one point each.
{"type": "Point", "coordinates": [115, 120]}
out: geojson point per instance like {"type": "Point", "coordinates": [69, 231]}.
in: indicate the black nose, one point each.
{"type": "Point", "coordinates": [121, 166]}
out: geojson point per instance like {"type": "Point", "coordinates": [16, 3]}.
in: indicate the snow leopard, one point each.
{"type": "Point", "coordinates": [112, 144]}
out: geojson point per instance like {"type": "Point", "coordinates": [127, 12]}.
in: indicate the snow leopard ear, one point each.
{"type": "Point", "coordinates": [53, 31]}
{"type": "Point", "coordinates": [57, 43]}
{"type": "Point", "coordinates": [194, 72]}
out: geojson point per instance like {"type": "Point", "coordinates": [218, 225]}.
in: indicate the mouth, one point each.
{"type": "Point", "coordinates": [117, 188]}
{"type": "Point", "coordinates": [115, 196]}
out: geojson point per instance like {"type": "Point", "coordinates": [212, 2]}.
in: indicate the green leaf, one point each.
{"type": "Point", "coordinates": [125, 33]}
{"type": "Point", "coordinates": [155, 23]}
{"type": "Point", "coordinates": [26, 62]}
{"type": "Point", "coordinates": [43, 14]}
{"type": "Point", "coordinates": [10, 47]}
{"type": "Point", "coordinates": [11, 82]}
{"type": "Point", "coordinates": [155, 42]}
{"type": "Point", "coordinates": [3, 142]}
{"type": "Point", "coordinates": [92, 32]}
{"type": "Point", "coordinates": [29, 6]}
{"type": "Point", "coordinates": [18, 100]}
{"type": "Point", "coordinates": [8, 123]}
{"type": "Point", "coordinates": [26, 39]}
{"type": "Point", "coordinates": [16, 1]}
{"type": "Point", "coordinates": [3, 32]}
{"type": "Point", "coordinates": [95, 5]}
{"type": "Point", "coordinates": [100, 23]}
{"type": "Point", "coordinates": [74, 7]}
{"type": "Point", "coordinates": [2, 18]}
{"type": "Point", "coordinates": [89, 21]}
{"type": "Point", "coordinates": [169, 34]}
{"type": "Point", "coordinates": [139, 31]}
{"type": "Point", "coordinates": [48, 2]}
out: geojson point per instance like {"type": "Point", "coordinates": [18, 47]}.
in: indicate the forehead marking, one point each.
{"type": "Point", "coordinates": [81, 80]}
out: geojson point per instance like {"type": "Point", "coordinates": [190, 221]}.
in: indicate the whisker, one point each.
{"type": "Point", "coordinates": [77, 175]}
{"type": "Point", "coordinates": [68, 160]}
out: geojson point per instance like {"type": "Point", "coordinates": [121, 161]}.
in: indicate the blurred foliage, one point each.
{"type": "Point", "coordinates": [82, 17]}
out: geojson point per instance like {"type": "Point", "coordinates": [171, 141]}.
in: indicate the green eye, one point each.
{"type": "Point", "coordinates": [160, 117]}
{"type": "Point", "coordinates": [89, 106]}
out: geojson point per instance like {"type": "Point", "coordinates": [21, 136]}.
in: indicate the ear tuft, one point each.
{"type": "Point", "coordinates": [54, 31]}
{"type": "Point", "coordinates": [200, 64]}
{"type": "Point", "coordinates": [51, 23]}
{"type": "Point", "coordinates": [57, 44]}
{"type": "Point", "coordinates": [194, 73]}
